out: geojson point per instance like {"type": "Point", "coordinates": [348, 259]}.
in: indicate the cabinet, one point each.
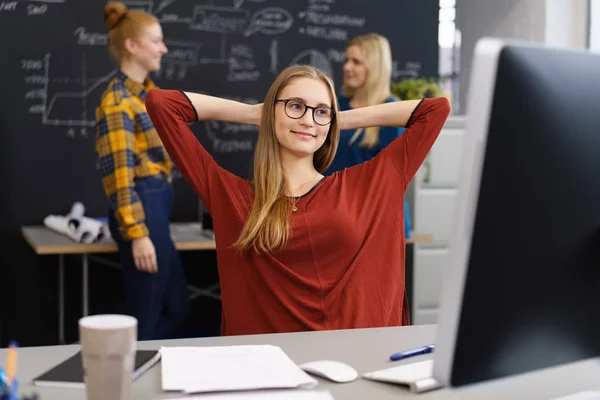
{"type": "Point", "coordinates": [435, 194]}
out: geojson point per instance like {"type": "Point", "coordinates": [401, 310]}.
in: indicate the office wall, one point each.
{"type": "Point", "coordinates": [517, 19]}
{"type": "Point", "coordinates": [561, 23]}
{"type": "Point", "coordinates": [594, 37]}
{"type": "Point", "coordinates": [567, 23]}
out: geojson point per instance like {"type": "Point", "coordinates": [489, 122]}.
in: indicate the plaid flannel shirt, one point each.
{"type": "Point", "coordinates": [128, 147]}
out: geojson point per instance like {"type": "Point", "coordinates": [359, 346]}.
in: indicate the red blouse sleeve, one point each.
{"type": "Point", "coordinates": [408, 151]}
{"type": "Point", "coordinates": [170, 112]}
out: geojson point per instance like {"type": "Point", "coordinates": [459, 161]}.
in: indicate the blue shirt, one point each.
{"type": "Point", "coordinates": [350, 154]}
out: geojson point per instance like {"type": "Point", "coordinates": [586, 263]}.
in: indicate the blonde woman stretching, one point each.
{"type": "Point", "coordinates": [297, 251]}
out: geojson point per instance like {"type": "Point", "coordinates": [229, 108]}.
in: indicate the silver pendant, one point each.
{"type": "Point", "coordinates": [294, 208]}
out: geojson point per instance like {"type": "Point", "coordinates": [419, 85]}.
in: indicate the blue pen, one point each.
{"type": "Point", "coordinates": [411, 353]}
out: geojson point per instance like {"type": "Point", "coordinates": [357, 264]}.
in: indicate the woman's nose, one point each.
{"type": "Point", "coordinates": [307, 118]}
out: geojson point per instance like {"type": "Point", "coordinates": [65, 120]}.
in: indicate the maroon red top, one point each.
{"type": "Point", "coordinates": [343, 266]}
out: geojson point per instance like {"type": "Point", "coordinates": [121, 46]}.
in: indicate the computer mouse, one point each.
{"type": "Point", "coordinates": [335, 371]}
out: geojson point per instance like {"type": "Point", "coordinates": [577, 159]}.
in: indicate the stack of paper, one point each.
{"type": "Point", "coordinates": [230, 368]}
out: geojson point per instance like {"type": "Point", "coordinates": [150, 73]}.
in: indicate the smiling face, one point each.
{"type": "Point", "coordinates": [303, 136]}
{"type": "Point", "coordinates": [148, 48]}
{"type": "Point", "coordinates": [355, 69]}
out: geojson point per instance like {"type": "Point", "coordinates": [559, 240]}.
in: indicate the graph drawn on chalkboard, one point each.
{"type": "Point", "coordinates": [60, 100]}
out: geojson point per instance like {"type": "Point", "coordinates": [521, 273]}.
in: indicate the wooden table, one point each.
{"type": "Point", "coordinates": [187, 237]}
{"type": "Point", "coordinates": [44, 241]}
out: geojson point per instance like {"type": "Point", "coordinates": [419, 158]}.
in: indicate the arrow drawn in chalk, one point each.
{"type": "Point", "coordinates": [163, 4]}
{"type": "Point", "coordinates": [238, 3]}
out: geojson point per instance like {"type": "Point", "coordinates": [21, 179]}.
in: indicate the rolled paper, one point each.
{"type": "Point", "coordinates": [76, 215]}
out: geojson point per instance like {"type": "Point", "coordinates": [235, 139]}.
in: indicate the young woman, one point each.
{"type": "Point", "coordinates": [297, 251]}
{"type": "Point", "coordinates": [367, 81]}
{"type": "Point", "coordinates": [135, 170]}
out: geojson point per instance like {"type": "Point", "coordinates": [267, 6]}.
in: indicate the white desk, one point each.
{"type": "Point", "coordinates": [187, 237]}
{"type": "Point", "coordinates": [364, 349]}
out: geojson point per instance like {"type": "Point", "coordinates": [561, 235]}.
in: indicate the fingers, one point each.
{"type": "Point", "coordinates": [144, 255]}
{"type": "Point", "coordinates": [140, 262]}
{"type": "Point", "coordinates": [151, 264]}
{"type": "Point", "coordinates": [146, 262]}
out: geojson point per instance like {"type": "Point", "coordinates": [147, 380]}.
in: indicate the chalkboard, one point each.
{"type": "Point", "coordinates": [231, 48]}
{"type": "Point", "coordinates": [55, 66]}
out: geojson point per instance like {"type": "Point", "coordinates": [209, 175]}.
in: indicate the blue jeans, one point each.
{"type": "Point", "coordinates": [159, 301]}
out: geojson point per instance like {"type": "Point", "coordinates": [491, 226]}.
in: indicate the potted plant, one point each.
{"type": "Point", "coordinates": [417, 88]}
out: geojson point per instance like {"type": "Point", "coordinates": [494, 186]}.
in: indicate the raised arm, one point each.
{"type": "Point", "coordinates": [394, 114]}
{"type": "Point", "coordinates": [217, 109]}
{"type": "Point", "coordinates": [171, 111]}
{"type": "Point", "coordinates": [423, 120]}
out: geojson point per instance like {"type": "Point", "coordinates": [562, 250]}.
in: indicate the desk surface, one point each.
{"type": "Point", "coordinates": [188, 236]}
{"type": "Point", "coordinates": [364, 349]}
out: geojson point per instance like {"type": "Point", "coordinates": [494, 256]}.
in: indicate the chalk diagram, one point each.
{"type": "Point", "coordinates": [227, 21]}
{"type": "Point", "coordinates": [70, 101]}
{"type": "Point", "coordinates": [315, 58]}
{"type": "Point", "coordinates": [66, 108]}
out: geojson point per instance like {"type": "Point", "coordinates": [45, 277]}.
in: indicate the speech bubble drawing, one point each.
{"type": "Point", "coordinates": [219, 19]}
{"type": "Point", "coordinates": [270, 20]}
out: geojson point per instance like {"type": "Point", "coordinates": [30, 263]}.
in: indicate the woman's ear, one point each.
{"type": "Point", "coordinates": [131, 46]}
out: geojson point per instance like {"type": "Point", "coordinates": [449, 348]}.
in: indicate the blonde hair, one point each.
{"type": "Point", "coordinates": [268, 226]}
{"type": "Point", "coordinates": [378, 61]}
{"type": "Point", "coordinates": [123, 24]}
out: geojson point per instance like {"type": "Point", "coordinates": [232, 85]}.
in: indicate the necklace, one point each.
{"type": "Point", "coordinates": [295, 199]}
{"type": "Point", "coordinates": [294, 208]}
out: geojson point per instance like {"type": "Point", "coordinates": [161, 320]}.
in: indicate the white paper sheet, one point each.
{"type": "Point", "coordinates": [288, 394]}
{"type": "Point", "coordinates": [230, 368]}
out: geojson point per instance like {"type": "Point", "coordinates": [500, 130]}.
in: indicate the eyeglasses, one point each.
{"type": "Point", "coordinates": [296, 109]}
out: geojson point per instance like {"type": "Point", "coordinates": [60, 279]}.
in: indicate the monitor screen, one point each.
{"type": "Point", "coordinates": [522, 288]}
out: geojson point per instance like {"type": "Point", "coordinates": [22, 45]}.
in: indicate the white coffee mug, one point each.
{"type": "Point", "coordinates": [108, 347]}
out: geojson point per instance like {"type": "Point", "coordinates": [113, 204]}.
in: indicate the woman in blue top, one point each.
{"type": "Point", "coordinates": [367, 80]}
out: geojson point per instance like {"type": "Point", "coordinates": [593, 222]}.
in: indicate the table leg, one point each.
{"type": "Point", "coordinates": [84, 285]}
{"type": "Point", "coordinates": [61, 298]}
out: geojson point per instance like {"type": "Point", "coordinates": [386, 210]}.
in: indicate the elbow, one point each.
{"type": "Point", "coordinates": [165, 104]}
{"type": "Point", "coordinates": [443, 104]}
{"type": "Point", "coordinates": [153, 99]}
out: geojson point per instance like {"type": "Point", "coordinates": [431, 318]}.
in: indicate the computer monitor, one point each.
{"type": "Point", "coordinates": [522, 288]}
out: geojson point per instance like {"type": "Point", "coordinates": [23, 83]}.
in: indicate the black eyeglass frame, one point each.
{"type": "Point", "coordinates": [306, 107]}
